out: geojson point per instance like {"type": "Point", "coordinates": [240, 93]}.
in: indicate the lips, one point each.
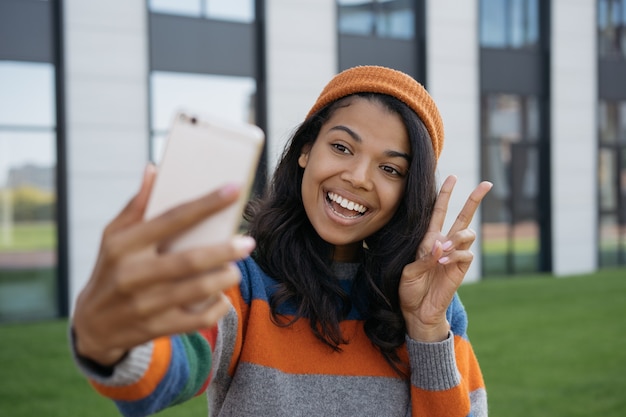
{"type": "Point", "coordinates": [344, 207]}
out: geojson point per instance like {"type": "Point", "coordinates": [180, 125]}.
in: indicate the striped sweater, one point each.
{"type": "Point", "coordinates": [248, 366]}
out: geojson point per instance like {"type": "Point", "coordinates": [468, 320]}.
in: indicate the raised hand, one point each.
{"type": "Point", "coordinates": [428, 285]}
{"type": "Point", "coordinates": [137, 292]}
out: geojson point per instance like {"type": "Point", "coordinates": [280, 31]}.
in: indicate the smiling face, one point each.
{"type": "Point", "coordinates": [355, 174]}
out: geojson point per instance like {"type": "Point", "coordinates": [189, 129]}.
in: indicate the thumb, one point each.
{"type": "Point", "coordinates": [135, 208]}
{"type": "Point", "coordinates": [423, 263]}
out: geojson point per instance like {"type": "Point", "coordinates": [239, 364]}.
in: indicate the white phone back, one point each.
{"type": "Point", "coordinates": [203, 153]}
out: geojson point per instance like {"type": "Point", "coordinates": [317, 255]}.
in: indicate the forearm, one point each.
{"type": "Point", "coordinates": [153, 376]}
{"type": "Point", "coordinates": [445, 379]}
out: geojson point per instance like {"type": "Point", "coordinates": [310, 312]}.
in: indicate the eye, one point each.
{"type": "Point", "coordinates": [392, 171]}
{"type": "Point", "coordinates": [340, 148]}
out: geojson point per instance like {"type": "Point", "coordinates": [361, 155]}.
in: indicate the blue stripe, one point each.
{"type": "Point", "coordinates": [457, 317]}
{"type": "Point", "coordinates": [256, 284]}
{"type": "Point", "coordinates": [166, 391]}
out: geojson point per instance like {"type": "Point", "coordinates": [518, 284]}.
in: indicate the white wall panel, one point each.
{"type": "Point", "coordinates": [106, 73]}
{"type": "Point", "coordinates": [88, 45]}
{"type": "Point", "coordinates": [113, 15]}
{"type": "Point", "coordinates": [573, 134]}
{"type": "Point", "coordinates": [107, 102]}
{"type": "Point", "coordinates": [452, 80]}
{"type": "Point", "coordinates": [301, 58]}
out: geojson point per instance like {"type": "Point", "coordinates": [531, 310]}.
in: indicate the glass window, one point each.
{"type": "Point", "coordinates": [510, 155]}
{"type": "Point", "coordinates": [178, 7]}
{"type": "Point", "coordinates": [606, 176]}
{"type": "Point", "coordinates": [395, 19]}
{"type": "Point", "coordinates": [524, 23]}
{"type": "Point", "coordinates": [525, 246]}
{"type": "Point", "coordinates": [518, 20]}
{"type": "Point", "coordinates": [533, 127]}
{"type": "Point", "coordinates": [493, 26]}
{"type": "Point", "coordinates": [612, 183]}
{"type": "Point", "coordinates": [382, 18]}
{"type": "Point", "coordinates": [609, 240]}
{"type": "Point", "coordinates": [27, 191]}
{"type": "Point", "coordinates": [612, 28]}
{"type": "Point", "coordinates": [532, 22]}
{"type": "Point", "coordinates": [509, 23]}
{"type": "Point", "coordinates": [621, 124]}
{"type": "Point", "coordinates": [26, 94]}
{"type": "Point", "coordinates": [608, 122]}
{"type": "Point", "coordinates": [504, 117]}
{"type": "Point", "coordinates": [356, 17]}
{"type": "Point", "coordinates": [622, 188]}
{"type": "Point", "coordinates": [228, 97]}
{"type": "Point", "coordinates": [232, 10]}
{"type": "Point", "coordinates": [622, 39]}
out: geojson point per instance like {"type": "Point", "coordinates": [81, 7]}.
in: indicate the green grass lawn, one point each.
{"type": "Point", "coordinates": [30, 236]}
{"type": "Point", "coordinates": [551, 347]}
{"type": "Point", "coordinates": [547, 347]}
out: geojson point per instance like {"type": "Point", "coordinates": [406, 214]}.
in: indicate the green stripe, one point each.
{"type": "Point", "coordinates": [198, 352]}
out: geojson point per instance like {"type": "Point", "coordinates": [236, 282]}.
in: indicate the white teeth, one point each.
{"type": "Point", "coordinates": [345, 203]}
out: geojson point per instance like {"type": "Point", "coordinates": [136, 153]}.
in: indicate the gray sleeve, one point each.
{"type": "Point", "coordinates": [433, 365]}
{"type": "Point", "coordinates": [128, 371]}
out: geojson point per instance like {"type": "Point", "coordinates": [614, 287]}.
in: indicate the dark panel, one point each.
{"type": "Point", "coordinates": [545, 148]}
{"type": "Point", "coordinates": [25, 27]}
{"type": "Point", "coordinates": [260, 180]}
{"type": "Point", "coordinates": [368, 50]}
{"type": "Point", "coordinates": [63, 268]}
{"type": "Point", "coordinates": [195, 45]}
{"type": "Point", "coordinates": [612, 80]}
{"type": "Point", "coordinates": [510, 71]}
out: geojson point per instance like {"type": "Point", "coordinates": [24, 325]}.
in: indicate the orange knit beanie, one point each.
{"type": "Point", "coordinates": [376, 79]}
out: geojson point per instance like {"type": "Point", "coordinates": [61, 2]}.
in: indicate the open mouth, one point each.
{"type": "Point", "coordinates": [344, 207]}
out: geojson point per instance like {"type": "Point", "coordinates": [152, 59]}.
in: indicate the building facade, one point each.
{"type": "Point", "coordinates": [532, 93]}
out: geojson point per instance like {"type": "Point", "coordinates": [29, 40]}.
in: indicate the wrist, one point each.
{"type": "Point", "coordinates": [428, 333]}
{"type": "Point", "coordinates": [96, 357]}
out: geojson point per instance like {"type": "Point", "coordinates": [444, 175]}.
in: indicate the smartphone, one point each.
{"type": "Point", "coordinates": [203, 153]}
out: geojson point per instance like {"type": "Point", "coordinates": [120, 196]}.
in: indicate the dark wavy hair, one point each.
{"type": "Point", "coordinates": [290, 251]}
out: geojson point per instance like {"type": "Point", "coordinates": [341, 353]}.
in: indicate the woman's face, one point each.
{"type": "Point", "coordinates": [355, 174]}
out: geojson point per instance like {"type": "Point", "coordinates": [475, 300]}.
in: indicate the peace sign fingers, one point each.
{"type": "Point", "coordinates": [469, 208]}
{"type": "Point", "coordinates": [441, 205]}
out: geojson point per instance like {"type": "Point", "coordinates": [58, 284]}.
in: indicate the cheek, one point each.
{"type": "Point", "coordinates": [392, 198]}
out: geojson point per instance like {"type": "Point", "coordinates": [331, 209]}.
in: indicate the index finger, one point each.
{"type": "Point", "coordinates": [177, 219]}
{"type": "Point", "coordinates": [471, 205]}
{"type": "Point", "coordinates": [441, 205]}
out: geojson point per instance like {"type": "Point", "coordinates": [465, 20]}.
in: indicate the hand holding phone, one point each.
{"type": "Point", "coordinates": [203, 153]}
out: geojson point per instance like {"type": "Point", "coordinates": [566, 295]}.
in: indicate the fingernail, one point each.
{"type": "Point", "coordinates": [229, 190]}
{"type": "Point", "coordinates": [435, 246]}
{"type": "Point", "coordinates": [443, 260]}
{"type": "Point", "coordinates": [150, 167]}
{"type": "Point", "coordinates": [447, 245]}
{"type": "Point", "coordinates": [244, 244]}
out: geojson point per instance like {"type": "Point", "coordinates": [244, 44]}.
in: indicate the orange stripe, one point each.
{"type": "Point", "coordinates": [451, 402]}
{"type": "Point", "coordinates": [296, 350]}
{"type": "Point", "coordinates": [467, 364]}
{"type": "Point", "coordinates": [241, 308]}
{"type": "Point", "coordinates": [159, 363]}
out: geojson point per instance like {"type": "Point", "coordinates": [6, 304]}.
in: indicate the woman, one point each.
{"type": "Point", "coordinates": [347, 306]}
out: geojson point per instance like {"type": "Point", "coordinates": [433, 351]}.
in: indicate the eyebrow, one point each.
{"type": "Point", "coordinates": [357, 138]}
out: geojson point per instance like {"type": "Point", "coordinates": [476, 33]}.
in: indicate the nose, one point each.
{"type": "Point", "coordinates": [358, 174]}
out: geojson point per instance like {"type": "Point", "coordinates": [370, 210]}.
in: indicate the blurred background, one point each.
{"type": "Point", "coordinates": [533, 96]}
